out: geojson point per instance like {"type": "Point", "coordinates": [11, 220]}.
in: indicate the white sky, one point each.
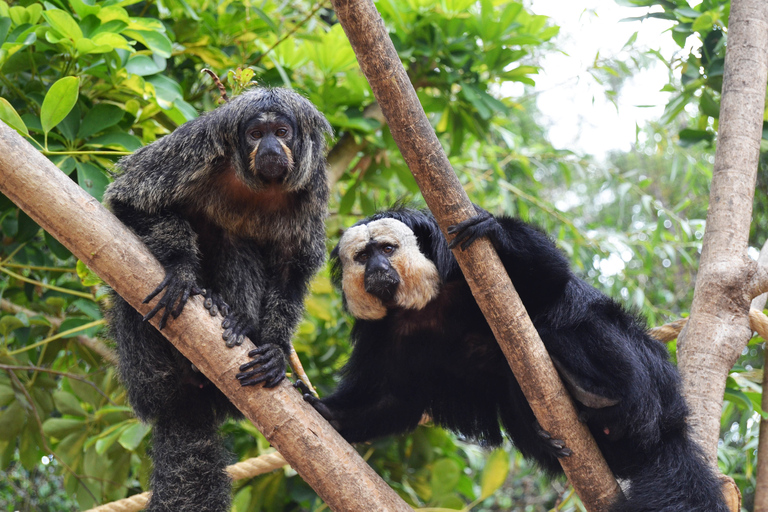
{"type": "Point", "coordinates": [571, 101]}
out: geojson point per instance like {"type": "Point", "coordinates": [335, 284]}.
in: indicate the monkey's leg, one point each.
{"type": "Point", "coordinates": [189, 466]}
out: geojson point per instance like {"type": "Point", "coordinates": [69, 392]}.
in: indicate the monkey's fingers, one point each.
{"type": "Point", "coordinates": [236, 328]}
{"type": "Point", "coordinates": [271, 370]}
{"type": "Point", "coordinates": [470, 230]}
{"type": "Point", "coordinates": [556, 446]}
{"type": "Point", "coordinates": [215, 304]}
{"type": "Point", "coordinates": [157, 290]}
{"type": "Point", "coordinates": [303, 388]}
{"type": "Point", "coordinates": [182, 302]}
{"type": "Point", "coordinates": [323, 409]}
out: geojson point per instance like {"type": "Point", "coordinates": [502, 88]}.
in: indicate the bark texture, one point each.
{"type": "Point", "coordinates": [490, 284]}
{"type": "Point", "coordinates": [728, 280]}
{"type": "Point", "coordinates": [311, 446]}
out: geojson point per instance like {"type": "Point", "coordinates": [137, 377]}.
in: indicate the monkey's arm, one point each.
{"type": "Point", "coordinates": [281, 310]}
{"type": "Point", "coordinates": [536, 267]}
{"type": "Point", "coordinates": [172, 241]}
{"type": "Point", "coordinates": [361, 414]}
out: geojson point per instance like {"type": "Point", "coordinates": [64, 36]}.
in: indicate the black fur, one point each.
{"type": "Point", "coordinates": [242, 226]}
{"type": "Point", "coordinates": [444, 360]}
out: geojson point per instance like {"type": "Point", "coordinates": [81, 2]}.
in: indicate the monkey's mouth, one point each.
{"type": "Point", "coordinates": [272, 168]}
{"type": "Point", "coordinates": [382, 285]}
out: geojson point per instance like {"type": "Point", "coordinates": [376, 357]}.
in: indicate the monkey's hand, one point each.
{"type": "Point", "coordinates": [556, 446]}
{"type": "Point", "coordinates": [318, 404]}
{"type": "Point", "coordinates": [178, 289]}
{"type": "Point", "coordinates": [271, 367]}
{"type": "Point", "coordinates": [471, 229]}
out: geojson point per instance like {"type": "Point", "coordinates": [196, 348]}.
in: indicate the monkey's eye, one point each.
{"type": "Point", "coordinates": [361, 257]}
{"type": "Point", "coordinates": [388, 248]}
{"type": "Point", "coordinates": [281, 132]}
{"type": "Point", "coordinates": [256, 134]}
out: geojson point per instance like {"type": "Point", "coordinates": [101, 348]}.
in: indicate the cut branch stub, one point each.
{"type": "Point", "coordinates": [586, 469]}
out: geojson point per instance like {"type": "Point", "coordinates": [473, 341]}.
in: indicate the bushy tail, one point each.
{"type": "Point", "coordinates": [678, 479]}
{"type": "Point", "coordinates": [189, 468]}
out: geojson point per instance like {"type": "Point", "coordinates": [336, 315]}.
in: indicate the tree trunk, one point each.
{"type": "Point", "coordinates": [487, 278]}
{"type": "Point", "coordinates": [728, 279]}
{"type": "Point", "coordinates": [311, 446]}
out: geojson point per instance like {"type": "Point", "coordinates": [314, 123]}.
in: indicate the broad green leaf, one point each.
{"type": "Point", "coordinates": [64, 24]}
{"type": "Point", "coordinates": [56, 247]}
{"type": "Point", "coordinates": [99, 118]}
{"type": "Point", "coordinates": [142, 65]}
{"type": "Point", "coordinates": [84, 7]}
{"type": "Point", "coordinates": [5, 25]}
{"type": "Point", "coordinates": [112, 40]}
{"type": "Point", "coordinates": [86, 46]}
{"type": "Point", "coordinates": [87, 276]}
{"type": "Point", "coordinates": [67, 403]}
{"type": "Point", "coordinates": [10, 117]}
{"type": "Point", "coordinates": [6, 394]}
{"type": "Point", "coordinates": [132, 436]}
{"type": "Point", "coordinates": [494, 473]}
{"type": "Point", "coordinates": [445, 476]}
{"type": "Point", "coordinates": [61, 427]}
{"type": "Point", "coordinates": [59, 100]}
{"type": "Point", "coordinates": [117, 140]}
{"type": "Point", "coordinates": [9, 323]}
{"type": "Point", "coordinates": [687, 12]}
{"type": "Point", "coordinates": [157, 42]}
{"type": "Point", "coordinates": [12, 420]}
{"type": "Point", "coordinates": [89, 308]}
{"type": "Point", "coordinates": [92, 179]}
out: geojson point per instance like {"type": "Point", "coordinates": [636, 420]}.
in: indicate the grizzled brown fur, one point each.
{"type": "Point", "coordinates": [233, 205]}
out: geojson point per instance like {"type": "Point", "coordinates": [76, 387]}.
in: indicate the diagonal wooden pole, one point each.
{"type": "Point", "coordinates": [310, 445]}
{"type": "Point", "coordinates": [586, 468]}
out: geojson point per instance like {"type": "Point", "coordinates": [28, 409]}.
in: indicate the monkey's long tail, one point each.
{"type": "Point", "coordinates": [677, 479]}
{"type": "Point", "coordinates": [189, 467]}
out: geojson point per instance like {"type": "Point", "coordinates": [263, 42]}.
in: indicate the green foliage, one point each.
{"type": "Point", "coordinates": [89, 81]}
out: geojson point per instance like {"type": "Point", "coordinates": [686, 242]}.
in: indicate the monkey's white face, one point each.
{"type": "Point", "coordinates": [419, 279]}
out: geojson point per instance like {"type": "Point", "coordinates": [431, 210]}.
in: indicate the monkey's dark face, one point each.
{"type": "Point", "coordinates": [269, 139]}
{"type": "Point", "coordinates": [383, 268]}
{"type": "Point", "coordinates": [381, 278]}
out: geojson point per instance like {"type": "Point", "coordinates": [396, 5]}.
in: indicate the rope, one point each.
{"type": "Point", "coordinates": [758, 322]}
{"type": "Point", "coordinates": [242, 470]}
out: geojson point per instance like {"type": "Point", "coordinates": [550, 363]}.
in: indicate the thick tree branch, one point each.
{"type": "Point", "coordinates": [325, 461]}
{"type": "Point", "coordinates": [719, 323]}
{"type": "Point", "coordinates": [490, 284]}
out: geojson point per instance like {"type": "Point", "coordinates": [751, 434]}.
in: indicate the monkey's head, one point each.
{"type": "Point", "coordinates": [382, 267]}
{"type": "Point", "coordinates": [281, 138]}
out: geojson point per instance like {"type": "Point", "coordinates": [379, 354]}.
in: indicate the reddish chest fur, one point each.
{"type": "Point", "coordinates": [245, 199]}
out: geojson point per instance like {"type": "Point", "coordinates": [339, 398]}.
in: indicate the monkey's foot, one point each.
{"type": "Point", "coordinates": [177, 288]}
{"type": "Point", "coordinates": [270, 360]}
{"type": "Point", "coordinates": [471, 229]}
{"type": "Point", "coordinates": [556, 446]}
{"type": "Point", "coordinates": [214, 303]}
{"type": "Point", "coordinates": [236, 328]}
{"type": "Point", "coordinates": [315, 402]}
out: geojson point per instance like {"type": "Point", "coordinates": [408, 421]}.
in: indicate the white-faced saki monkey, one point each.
{"type": "Point", "coordinates": [233, 205]}
{"type": "Point", "coordinates": [421, 345]}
